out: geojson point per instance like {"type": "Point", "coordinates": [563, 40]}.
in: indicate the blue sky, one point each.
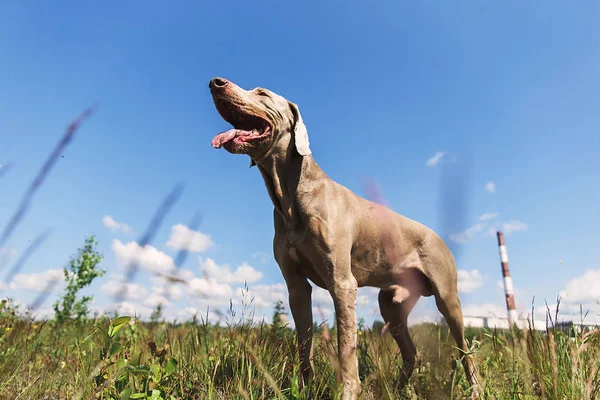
{"type": "Point", "coordinates": [510, 88]}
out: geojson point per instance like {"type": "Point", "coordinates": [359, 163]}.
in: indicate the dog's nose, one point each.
{"type": "Point", "coordinates": [218, 83]}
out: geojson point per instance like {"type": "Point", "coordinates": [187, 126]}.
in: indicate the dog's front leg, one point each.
{"type": "Point", "coordinates": [301, 308]}
{"type": "Point", "coordinates": [343, 290]}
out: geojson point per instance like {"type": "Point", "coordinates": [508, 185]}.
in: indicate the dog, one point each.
{"type": "Point", "coordinates": [339, 241]}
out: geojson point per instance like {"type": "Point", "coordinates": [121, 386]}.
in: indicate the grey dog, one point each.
{"type": "Point", "coordinates": [338, 240]}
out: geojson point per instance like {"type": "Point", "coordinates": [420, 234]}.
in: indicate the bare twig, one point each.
{"type": "Point", "coordinates": [41, 298]}
{"type": "Point", "coordinates": [155, 224]}
{"type": "Point", "coordinates": [29, 387]}
{"type": "Point", "coordinates": [182, 254]}
{"type": "Point", "coordinates": [41, 176]}
{"type": "Point", "coordinates": [25, 256]}
{"type": "Point", "coordinates": [5, 168]}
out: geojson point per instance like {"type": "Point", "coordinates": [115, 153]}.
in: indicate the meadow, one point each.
{"type": "Point", "coordinates": [121, 357]}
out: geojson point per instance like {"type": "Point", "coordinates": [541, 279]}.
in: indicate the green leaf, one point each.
{"type": "Point", "coordinates": [115, 348]}
{"type": "Point", "coordinates": [171, 366]}
{"type": "Point", "coordinates": [295, 389]}
{"type": "Point", "coordinates": [138, 396]}
{"type": "Point", "coordinates": [121, 362]}
{"type": "Point", "coordinates": [140, 369]}
{"type": "Point", "coordinates": [135, 358]}
{"type": "Point", "coordinates": [125, 394]}
{"type": "Point", "coordinates": [122, 375]}
{"type": "Point", "coordinates": [105, 335]}
{"type": "Point", "coordinates": [156, 395]}
{"type": "Point", "coordinates": [156, 375]}
{"type": "Point", "coordinates": [117, 324]}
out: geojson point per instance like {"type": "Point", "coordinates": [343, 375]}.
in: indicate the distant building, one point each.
{"type": "Point", "coordinates": [502, 323]}
{"type": "Point", "coordinates": [572, 327]}
{"type": "Point", "coordinates": [491, 322]}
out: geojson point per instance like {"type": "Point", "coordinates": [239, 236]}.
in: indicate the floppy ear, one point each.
{"type": "Point", "coordinates": [300, 132]}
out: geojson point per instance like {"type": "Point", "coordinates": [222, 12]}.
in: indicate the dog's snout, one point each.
{"type": "Point", "coordinates": [218, 83]}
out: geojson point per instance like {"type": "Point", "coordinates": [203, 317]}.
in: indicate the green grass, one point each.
{"type": "Point", "coordinates": [125, 358]}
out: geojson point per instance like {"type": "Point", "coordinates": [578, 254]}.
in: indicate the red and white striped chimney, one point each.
{"type": "Point", "coordinates": [508, 286]}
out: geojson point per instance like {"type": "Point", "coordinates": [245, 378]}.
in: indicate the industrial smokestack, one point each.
{"type": "Point", "coordinates": [508, 286]}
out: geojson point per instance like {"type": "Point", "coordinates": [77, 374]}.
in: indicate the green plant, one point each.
{"type": "Point", "coordinates": [278, 312]}
{"type": "Point", "coordinates": [82, 271]}
{"type": "Point", "coordinates": [122, 373]}
{"type": "Point", "coordinates": [157, 314]}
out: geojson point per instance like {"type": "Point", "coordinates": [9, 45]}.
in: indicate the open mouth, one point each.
{"type": "Point", "coordinates": [247, 128]}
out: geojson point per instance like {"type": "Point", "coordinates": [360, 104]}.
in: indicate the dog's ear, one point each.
{"type": "Point", "coordinates": [300, 132]}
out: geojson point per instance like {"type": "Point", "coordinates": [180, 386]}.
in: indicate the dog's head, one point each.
{"type": "Point", "coordinates": [260, 120]}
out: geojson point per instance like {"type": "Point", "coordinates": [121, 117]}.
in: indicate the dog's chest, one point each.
{"type": "Point", "coordinates": [298, 254]}
{"type": "Point", "coordinates": [293, 253]}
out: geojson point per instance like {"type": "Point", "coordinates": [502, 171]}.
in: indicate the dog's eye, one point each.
{"type": "Point", "coordinates": [262, 93]}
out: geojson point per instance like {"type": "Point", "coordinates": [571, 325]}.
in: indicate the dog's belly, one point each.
{"type": "Point", "coordinates": [402, 273]}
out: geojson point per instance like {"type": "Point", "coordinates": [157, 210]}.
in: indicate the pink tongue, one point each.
{"type": "Point", "coordinates": [227, 136]}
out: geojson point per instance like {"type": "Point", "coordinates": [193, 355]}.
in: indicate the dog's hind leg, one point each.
{"type": "Point", "coordinates": [448, 303]}
{"type": "Point", "coordinates": [395, 305]}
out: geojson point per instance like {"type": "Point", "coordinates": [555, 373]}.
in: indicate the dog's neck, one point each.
{"type": "Point", "coordinates": [290, 178]}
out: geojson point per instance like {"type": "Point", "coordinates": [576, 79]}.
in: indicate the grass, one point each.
{"type": "Point", "coordinates": [125, 358]}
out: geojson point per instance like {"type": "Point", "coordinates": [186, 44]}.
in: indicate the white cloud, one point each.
{"type": "Point", "coordinates": [322, 313]}
{"type": "Point", "coordinates": [362, 300]}
{"type": "Point", "coordinates": [367, 296]}
{"type": "Point", "coordinates": [189, 312]}
{"type": "Point", "coordinates": [492, 314]}
{"type": "Point", "coordinates": [148, 257]}
{"type": "Point", "coordinates": [513, 226]}
{"type": "Point", "coordinates": [160, 293]}
{"type": "Point", "coordinates": [163, 288]}
{"type": "Point", "coordinates": [490, 187]}
{"type": "Point", "coordinates": [484, 310]}
{"type": "Point", "coordinates": [208, 288]}
{"type": "Point", "coordinates": [422, 319]}
{"type": "Point", "coordinates": [488, 216]}
{"type": "Point", "coordinates": [468, 234]}
{"type": "Point", "coordinates": [322, 302]}
{"type": "Point", "coordinates": [199, 294]}
{"type": "Point", "coordinates": [131, 309]}
{"type": "Point", "coordinates": [133, 291]}
{"type": "Point", "coordinates": [243, 273]}
{"type": "Point", "coordinates": [115, 226]}
{"type": "Point", "coordinates": [183, 238]}
{"type": "Point", "coordinates": [6, 252]}
{"type": "Point", "coordinates": [38, 281]}
{"type": "Point", "coordinates": [370, 291]}
{"type": "Point", "coordinates": [435, 159]}
{"type": "Point", "coordinates": [519, 295]}
{"type": "Point", "coordinates": [468, 281]}
{"type": "Point", "coordinates": [584, 288]}
{"type": "Point", "coordinates": [262, 256]}
{"type": "Point", "coordinates": [506, 227]}
{"type": "Point", "coordinates": [589, 312]}
{"type": "Point", "coordinates": [264, 296]}
{"type": "Point", "coordinates": [321, 297]}
{"type": "Point", "coordinates": [42, 313]}
{"type": "Point", "coordinates": [155, 299]}
{"type": "Point", "coordinates": [39, 314]}
{"type": "Point", "coordinates": [472, 232]}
